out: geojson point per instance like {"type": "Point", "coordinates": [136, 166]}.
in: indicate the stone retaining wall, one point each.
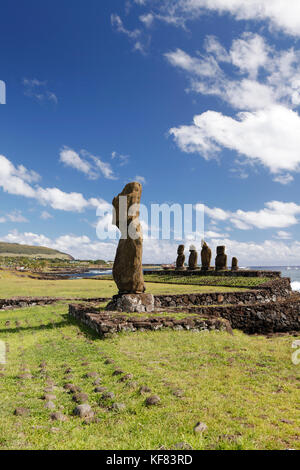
{"type": "Point", "coordinates": [198, 272]}
{"type": "Point", "coordinates": [283, 316]}
{"type": "Point", "coordinates": [21, 302]}
{"type": "Point", "coordinates": [108, 323]}
{"type": "Point", "coordinates": [269, 292]}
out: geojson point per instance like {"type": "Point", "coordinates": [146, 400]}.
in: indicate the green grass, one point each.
{"type": "Point", "coordinates": [238, 281]}
{"type": "Point", "coordinates": [241, 386]}
{"type": "Point", "coordinates": [12, 284]}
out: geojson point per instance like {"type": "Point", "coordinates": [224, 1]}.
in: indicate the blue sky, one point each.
{"type": "Point", "coordinates": [198, 100]}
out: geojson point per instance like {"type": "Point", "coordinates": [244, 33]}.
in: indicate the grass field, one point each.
{"type": "Point", "coordinates": [222, 281]}
{"type": "Point", "coordinates": [244, 388]}
{"type": "Point", "coordinates": [16, 284]}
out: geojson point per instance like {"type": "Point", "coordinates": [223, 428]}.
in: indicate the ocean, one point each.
{"type": "Point", "coordinates": [286, 271]}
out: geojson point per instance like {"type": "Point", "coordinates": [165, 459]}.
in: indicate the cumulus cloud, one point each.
{"type": "Point", "coordinates": [14, 180]}
{"type": "Point", "coordinates": [264, 83]}
{"type": "Point", "coordinates": [270, 137]}
{"type": "Point", "coordinates": [275, 214]}
{"type": "Point", "coordinates": [269, 252]}
{"type": "Point", "coordinates": [279, 14]}
{"type": "Point", "coordinates": [282, 235]}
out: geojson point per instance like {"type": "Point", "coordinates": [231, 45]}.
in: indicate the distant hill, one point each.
{"type": "Point", "coordinates": [15, 249]}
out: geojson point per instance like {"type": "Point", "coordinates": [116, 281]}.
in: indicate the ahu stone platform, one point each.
{"type": "Point", "coordinates": [108, 323]}
{"type": "Point", "coordinates": [199, 272]}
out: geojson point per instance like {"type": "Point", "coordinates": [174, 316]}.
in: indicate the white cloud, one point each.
{"type": "Point", "coordinates": [45, 215]}
{"type": "Point", "coordinates": [123, 159]}
{"type": "Point", "coordinates": [270, 137]}
{"type": "Point", "coordinates": [280, 14]}
{"type": "Point", "coordinates": [249, 53]}
{"type": "Point", "coordinates": [140, 41]}
{"type": "Point", "coordinates": [212, 234]}
{"type": "Point", "coordinates": [268, 253]}
{"type": "Point", "coordinates": [104, 167]}
{"type": "Point", "coordinates": [117, 23]}
{"type": "Point", "coordinates": [264, 82]}
{"type": "Point", "coordinates": [92, 168]}
{"type": "Point", "coordinates": [37, 89]}
{"type": "Point", "coordinates": [147, 19]}
{"type": "Point", "coordinates": [17, 217]}
{"type": "Point", "coordinates": [275, 214]}
{"type": "Point", "coordinates": [282, 235]}
{"type": "Point", "coordinates": [70, 158]}
{"type": "Point", "coordinates": [284, 179]}
{"type": "Point", "coordinates": [13, 180]}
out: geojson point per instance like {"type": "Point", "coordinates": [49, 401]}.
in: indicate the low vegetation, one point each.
{"type": "Point", "coordinates": [244, 389]}
{"type": "Point", "coordinates": [238, 281]}
{"type": "Point", "coordinates": [17, 250]}
{"type": "Point", "coordinates": [12, 284]}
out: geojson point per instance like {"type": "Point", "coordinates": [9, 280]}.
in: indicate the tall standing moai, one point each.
{"type": "Point", "coordinates": [205, 257]}
{"type": "Point", "coordinates": [128, 269]}
{"type": "Point", "coordinates": [193, 259]}
{"type": "Point", "coordinates": [180, 258]}
{"type": "Point", "coordinates": [221, 259]}
{"type": "Point", "coordinates": [234, 264]}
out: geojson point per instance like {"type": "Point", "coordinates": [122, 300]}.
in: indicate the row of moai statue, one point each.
{"type": "Point", "coordinates": [206, 254]}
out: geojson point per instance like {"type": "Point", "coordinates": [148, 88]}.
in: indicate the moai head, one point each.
{"type": "Point", "coordinates": [180, 250]}
{"type": "Point", "coordinates": [193, 259]}
{"type": "Point", "coordinates": [221, 259]}
{"type": "Point", "coordinates": [180, 258]}
{"type": "Point", "coordinates": [205, 256]}
{"type": "Point", "coordinates": [221, 250]}
{"type": "Point", "coordinates": [234, 264]}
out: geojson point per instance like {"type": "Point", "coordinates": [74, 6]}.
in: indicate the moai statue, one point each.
{"type": "Point", "coordinates": [180, 259]}
{"type": "Point", "coordinates": [127, 269]}
{"type": "Point", "coordinates": [234, 264]}
{"type": "Point", "coordinates": [205, 257]}
{"type": "Point", "coordinates": [193, 259]}
{"type": "Point", "coordinates": [221, 259]}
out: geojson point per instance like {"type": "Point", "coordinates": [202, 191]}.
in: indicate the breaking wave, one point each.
{"type": "Point", "coordinates": [296, 286]}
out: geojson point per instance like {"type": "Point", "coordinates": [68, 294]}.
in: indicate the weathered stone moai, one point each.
{"type": "Point", "coordinates": [205, 257]}
{"type": "Point", "coordinates": [193, 259]}
{"type": "Point", "coordinates": [221, 259]}
{"type": "Point", "coordinates": [128, 269]}
{"type": "Point", "coordinates": [234, 264]}
{"type": "Point", "coordinates": [180, 258]}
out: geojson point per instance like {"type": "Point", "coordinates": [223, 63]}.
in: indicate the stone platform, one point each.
{"type": "Point", "coordinates": [131, 303]}
{"type": "Point", "coordinates": [108, 323]}
{"type": "Point", "coordinates": [199, 272]}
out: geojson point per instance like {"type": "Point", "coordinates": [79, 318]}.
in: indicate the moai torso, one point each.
{"type": "Point", "coordinates": [128, 269]}
{"type": "Point", "coordinates": [205, 257]}
{"type": "Point", "coordinates": [180, 258]}
{"type": "Point", "coordinates": [193, 259]}
{"type": "Point", "coordinates": [221, 259]}
{"type": "Point", "coordinates": [234, 264]}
